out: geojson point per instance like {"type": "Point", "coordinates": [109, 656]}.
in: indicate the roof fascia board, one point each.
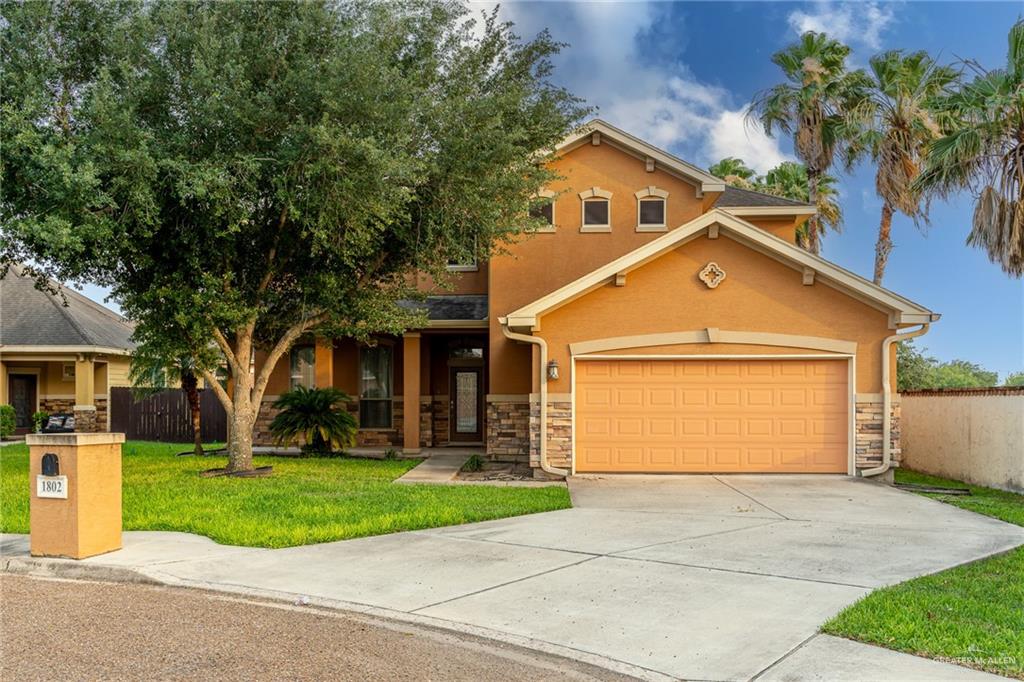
{"type": "Point", "coordinates": [102, 350]}
{"type": "Point", "coordinates": [768, 210]}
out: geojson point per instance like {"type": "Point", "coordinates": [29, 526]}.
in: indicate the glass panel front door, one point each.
{"type": "Point", "coordinates": [465, 404]}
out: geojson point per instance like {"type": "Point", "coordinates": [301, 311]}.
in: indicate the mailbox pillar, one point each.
{"type": "Point", "coordinates": [75, 504]}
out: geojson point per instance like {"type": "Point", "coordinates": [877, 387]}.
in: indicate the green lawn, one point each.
{"type": "Point", "coordinates": [972, 615]}
{"type": "Point", "coordinates": [305, 501]}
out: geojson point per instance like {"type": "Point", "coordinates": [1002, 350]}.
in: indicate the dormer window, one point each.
{"type": "Point", "coordinates": [650, 209]}
{"type": "Point", "coordinates": [596, 210]}
{"type": "Point", "coordinates": [544, 210]}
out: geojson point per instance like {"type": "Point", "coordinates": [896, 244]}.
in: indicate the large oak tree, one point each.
{"type": "Point", "coordinates": [250, 173]}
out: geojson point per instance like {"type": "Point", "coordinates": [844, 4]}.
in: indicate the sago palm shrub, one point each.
{"type": "Point", "coordinates": [315, 417]}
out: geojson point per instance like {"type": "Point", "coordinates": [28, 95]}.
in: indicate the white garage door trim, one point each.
{"type": "Point", "coordinates": [851, 380]}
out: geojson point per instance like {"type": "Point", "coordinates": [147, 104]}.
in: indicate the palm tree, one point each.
{"type": "Point", "coordinates": [897, 128]}
{"type": "Point", "coordinates": [151, 373]}
{"type": "Point", "coordinates": [735, 172]}
{"type": "Point", "coordinates": [982, 150]}
{"type": "Point", "coordinates": [789, 180]}
{"type": "Point", "coordinates": [813, 105]}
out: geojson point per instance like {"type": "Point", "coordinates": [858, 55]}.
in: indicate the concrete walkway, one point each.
{"type": "Point", "coordinates": [435, 469]}
{"type": "Point", "coordinates": [703, 577]}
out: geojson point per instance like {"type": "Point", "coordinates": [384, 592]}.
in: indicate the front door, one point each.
{"type": "Point", "coordinates": [22, 389]}
{"type": "Point", "coordinates": [466, 419]}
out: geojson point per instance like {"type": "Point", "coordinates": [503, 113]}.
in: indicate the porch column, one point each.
{"type": "Point", "coordinates": [4, 400]}
{"type": "Point", "coordinates": [324, 363]}
{"type": "Point", "coordinates": [85, 394]}
{"type": "Point", "coordinates": [411, 392]}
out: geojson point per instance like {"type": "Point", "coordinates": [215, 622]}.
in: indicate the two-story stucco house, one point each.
{"type": "Point", "coordinates": [663, 323]}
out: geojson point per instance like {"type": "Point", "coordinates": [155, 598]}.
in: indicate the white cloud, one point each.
{"type": "Point", "coordinates": [664, 104]}
{"type": "Point", "coordinates": [851, 23]}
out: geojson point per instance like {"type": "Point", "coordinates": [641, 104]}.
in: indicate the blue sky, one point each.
{"type": "Point", "coordinates": [679, 75]}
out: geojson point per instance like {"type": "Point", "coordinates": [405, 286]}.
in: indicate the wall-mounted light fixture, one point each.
{"type": "Point", "coordinates": [553, 370]}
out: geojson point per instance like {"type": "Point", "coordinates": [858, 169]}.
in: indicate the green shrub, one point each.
{"type": "Point", "coordinates": [474, 463]}
{"type": "Point", "coordinates": [39, 419]}
{"type": "Point", "coordinates": [315, 417]}
{"type": "Point", "coordinates": [7, 422]}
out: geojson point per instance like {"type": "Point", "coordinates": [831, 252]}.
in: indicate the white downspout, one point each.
{"type": "Point", "coordinates": [536, 340]}
{"type": "Point", "coordinates": [887, 400]}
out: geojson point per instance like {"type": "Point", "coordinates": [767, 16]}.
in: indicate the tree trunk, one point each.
{"type": "Point", "coordinates": [883, 247]}
{"type": "Point", "coordinates": [242, 419]}
{"type": "Point", "coordinates": [190, 384]}
{"type": "Point", "coordinates": [241, 422]}
{"type": "Point", "coordinates": [243, 403]}
{"type": "Point", "coordinates": [814, 222]}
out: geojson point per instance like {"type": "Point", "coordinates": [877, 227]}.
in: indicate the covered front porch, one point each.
{"type": "Point", "coordinates": [60, 383]}
{"type": "Point", "coordinates": [422, 390]}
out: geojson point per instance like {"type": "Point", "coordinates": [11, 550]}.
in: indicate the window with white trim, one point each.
{"type": "Point", "coordinates": [596, 210]}
{"type": "Point", "coordinates": [303, 367]}
{"type": "Point", "coordinates": [651, 206]}
{"type": "Point", "coordinates": [544, 210]}
{"type": "Point", "coordinates": [375, 386]}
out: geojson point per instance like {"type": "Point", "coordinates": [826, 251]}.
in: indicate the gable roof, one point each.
{"type": "Point", "coordinates": [737, 197]}
{"type": "Point", "coordinates": [620, 139]}
{"type": "Point", "coordinates": [33, 318]}
{"type": "Point", "coordinates": [901, 310]}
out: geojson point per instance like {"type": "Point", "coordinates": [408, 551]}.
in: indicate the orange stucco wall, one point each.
{"type": "Point", "coordinates": [540, 263]}
{"type": "Point", "coordinates": [784, 228]}
{"type": "Point", "coordinates": [759, 294]}
{"type": "Point", "coordinates": [463, 282]}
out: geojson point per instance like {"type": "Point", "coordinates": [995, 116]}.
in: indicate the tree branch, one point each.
{"type": "Point", "coordinates": [229, 353]}
{"type": "Point", "coordinates": [282, 345]}
{"type": "Point", "coordinates": [211, 381]}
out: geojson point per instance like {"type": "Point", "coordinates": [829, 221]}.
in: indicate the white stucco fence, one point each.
{"type": "Point", "coordinates": [973, 435]}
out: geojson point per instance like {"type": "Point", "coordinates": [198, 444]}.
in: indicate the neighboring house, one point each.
{"type": "Point", "coordinates": [59, 358]}
{"type": "Point", "coordinates": [670, 323]}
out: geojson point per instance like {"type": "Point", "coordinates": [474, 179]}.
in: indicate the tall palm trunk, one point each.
{"type": "Point", "coordinates": [190, 385]}
{"type": "Point", "coordinates": [883, 247]}
{"type": "Point", "coordinates": [814, 222]}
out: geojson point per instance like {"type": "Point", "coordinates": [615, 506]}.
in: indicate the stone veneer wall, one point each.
{"type": "Point", "coordinates": [868, 432]}
{"type": "Point", "coordinates": [439, 412]}
{"type": "Point", "coordinates": [101, 414]}
{"type": "Point", "coordinates": [508, 430]}
{"type": "Point", "coordinates": [559, 418]}
{"type": "Point", "coordinates": [57, 405]}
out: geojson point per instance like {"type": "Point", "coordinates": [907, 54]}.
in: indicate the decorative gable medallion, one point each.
{"type": "Point", "coordinates": [712, 275]}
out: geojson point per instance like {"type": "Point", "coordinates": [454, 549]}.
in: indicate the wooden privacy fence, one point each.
{"type": "Point", "coordinates": [165, 416]}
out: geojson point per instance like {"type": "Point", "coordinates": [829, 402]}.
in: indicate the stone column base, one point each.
{"type": "Point", "coordinates": [85, 419]}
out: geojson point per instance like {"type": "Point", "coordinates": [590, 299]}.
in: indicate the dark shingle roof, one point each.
{"type": "Point", "coordinates": [734, 197]}
{"type": "Point", "coordinates": [30, 317]}
{"type": "Point", "coordinates": [453, 307]}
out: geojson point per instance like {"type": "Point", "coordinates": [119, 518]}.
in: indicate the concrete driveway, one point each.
{"type": "Point", "coordinates": [699, 577]}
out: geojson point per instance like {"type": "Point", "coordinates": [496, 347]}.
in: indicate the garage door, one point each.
{"type": "Point", "coordinates": [704, 416]}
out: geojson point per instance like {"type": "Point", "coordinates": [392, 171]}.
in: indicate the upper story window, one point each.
{"type": "Point", "coordinates": [596, 210]}
{"type": "Point", "coordinates": [467, 264]}
{"type": "Point", "coordinates": [460, 266]}
{"type": "Point", "coordinates": [650, 209]}
{"type": "Point", "coordinates": [303, 367]}
{"type": "Point", "coordinates": [375, 384]}
{"type": "Point", "coordinates": [544, 210]}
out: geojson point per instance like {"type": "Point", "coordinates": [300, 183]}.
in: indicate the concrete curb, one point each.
{"type": "Point", "coordinates": [70, 569]}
